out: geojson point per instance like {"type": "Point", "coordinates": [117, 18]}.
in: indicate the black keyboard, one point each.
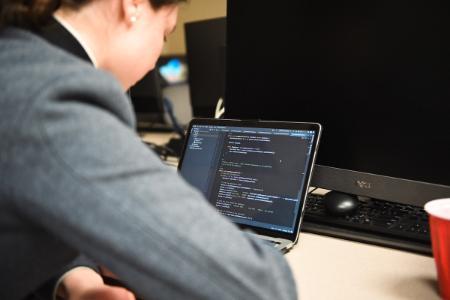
{"type": "Point", "coordinates": [377, 222]}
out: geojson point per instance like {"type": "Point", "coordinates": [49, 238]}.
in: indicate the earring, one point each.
{"type": "Point", "coordinates": [133, 19]}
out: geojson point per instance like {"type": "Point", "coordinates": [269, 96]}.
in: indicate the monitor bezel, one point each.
{"type": "Point", "coordinates": [376, 186]}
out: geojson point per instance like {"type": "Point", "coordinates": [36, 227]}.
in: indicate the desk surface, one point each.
{"type": "Point", "coordinates": [331, 268]}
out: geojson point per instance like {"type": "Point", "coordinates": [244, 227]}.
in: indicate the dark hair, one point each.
{"type": "Point", "coordinates": [35, 13]}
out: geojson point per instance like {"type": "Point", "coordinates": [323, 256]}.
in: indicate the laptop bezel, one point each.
{"type": "Point", "coordinates": [310, 126]}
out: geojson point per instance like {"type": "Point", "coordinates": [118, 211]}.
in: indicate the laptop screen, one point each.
{"type": "Point", "coordinates": [255, 176]}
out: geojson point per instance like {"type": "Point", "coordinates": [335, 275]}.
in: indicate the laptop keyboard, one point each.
{"type": "Point", "coordinates": [375, 221]}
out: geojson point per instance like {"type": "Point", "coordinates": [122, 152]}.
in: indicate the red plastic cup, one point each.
{"type": "Point", "coordinates": [439, 219]}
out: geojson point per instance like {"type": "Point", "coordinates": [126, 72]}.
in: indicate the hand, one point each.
{"type": "Point", "coordinates": [85, 284]}
{"type": "Point", "coordinates": [104, 292]}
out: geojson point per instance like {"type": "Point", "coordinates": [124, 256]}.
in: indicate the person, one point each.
{"type": "Point", "coordinates": [76, 180]}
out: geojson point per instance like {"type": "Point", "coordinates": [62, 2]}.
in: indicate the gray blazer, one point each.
{"type": "Point", "coordinates": [75, 178]}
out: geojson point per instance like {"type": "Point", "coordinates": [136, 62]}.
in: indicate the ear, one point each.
{"type": "Point", "coordinates": [131, 10]}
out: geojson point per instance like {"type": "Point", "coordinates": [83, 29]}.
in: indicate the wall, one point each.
{"type": "Point", "coordinates": [193, 10]}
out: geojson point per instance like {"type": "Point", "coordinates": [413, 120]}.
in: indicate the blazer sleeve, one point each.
{"type": "Point", "coordinates": [95, 185]}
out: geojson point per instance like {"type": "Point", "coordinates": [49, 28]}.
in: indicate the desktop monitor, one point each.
{"type": "Point", "coordinates": [147, 98]}
{"type": "Point", "coordinates": [376, 74]}
{"type": "Point", "coordinates": [148, 94]}
{"type": "Point", "coordinates": [205, 50]}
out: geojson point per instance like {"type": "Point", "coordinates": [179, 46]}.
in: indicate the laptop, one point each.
{"type": "Point", "coordinates": [256, 173]}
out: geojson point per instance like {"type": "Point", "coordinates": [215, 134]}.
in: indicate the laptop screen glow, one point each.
{"type": "Point", "coordinates": [254, 176]}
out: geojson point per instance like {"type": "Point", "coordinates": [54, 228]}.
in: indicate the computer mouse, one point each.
{"type": "Point", "coordinates": [340, 204]}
